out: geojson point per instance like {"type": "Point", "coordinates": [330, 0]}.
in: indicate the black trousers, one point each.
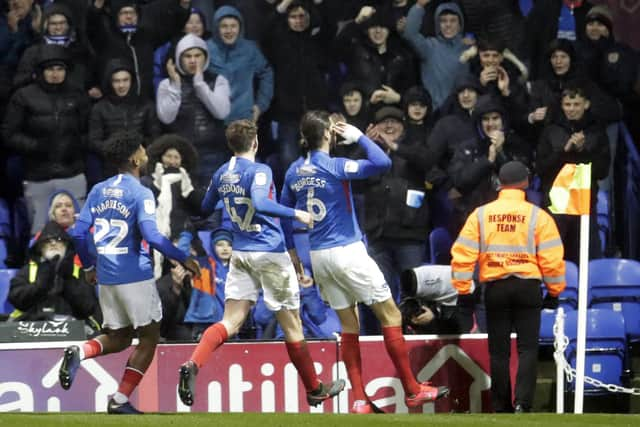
{"type": "Point", "coordinates": [513, 304]}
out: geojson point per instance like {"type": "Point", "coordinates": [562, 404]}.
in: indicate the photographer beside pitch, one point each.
{"type": "Point", "coordinates": [517, 246]}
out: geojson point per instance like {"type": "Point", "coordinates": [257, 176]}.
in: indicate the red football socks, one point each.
{"type": "Point", "coordinates": [130, 380]}
{"type": "Point", "coordinates": [92, 348]}
{"type": "Point", "coordinates": [212, 338]}
{"type": "Point", "coordinates": [301, 359]}
{"type": "Point", "coordinates": [350, 345]}
{"type": "Point", "coordinates": [394, 342]}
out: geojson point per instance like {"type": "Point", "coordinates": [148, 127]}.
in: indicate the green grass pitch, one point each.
{"type": "Point", "coordinates": [315, 420]}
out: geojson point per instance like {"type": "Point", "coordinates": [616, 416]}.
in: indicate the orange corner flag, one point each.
{"type": "Point", "coordinates": [571, 190]}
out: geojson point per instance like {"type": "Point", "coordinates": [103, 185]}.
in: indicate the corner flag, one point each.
{"type": "Point", "coordinates": [571, 190]}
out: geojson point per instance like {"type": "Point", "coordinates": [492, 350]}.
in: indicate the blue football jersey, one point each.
{"type": "Point", "coordinates": [321, 185]}
{"type": "Point", "coordinates": [116, 207]}
{"type": "Point", "coordinates": [243, 186]}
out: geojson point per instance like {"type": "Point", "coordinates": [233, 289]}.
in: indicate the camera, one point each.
{"type": "Point", "coordinates": [431, 283]}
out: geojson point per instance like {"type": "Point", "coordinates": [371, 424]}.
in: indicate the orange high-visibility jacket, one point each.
{"type": "Point", "coordinates": [509, 237]}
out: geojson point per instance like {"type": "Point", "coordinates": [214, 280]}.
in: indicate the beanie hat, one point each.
{"type": "Point", "coordinates": [221, 234]}
{"type": "Point", "coordinates": [602, 14]}
{"type": "Point", "coordinates": [513, 172]}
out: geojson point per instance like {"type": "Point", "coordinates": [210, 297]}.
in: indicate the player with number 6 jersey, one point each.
{"type": "Point", "coordinates": [259, 261]}
{"type": "Point", "coordinates": [341, 266]}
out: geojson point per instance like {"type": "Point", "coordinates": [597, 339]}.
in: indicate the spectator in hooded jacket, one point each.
{"type": "Point", "coordinates": [46, 124]}
{"type": "Point", "coordinates": [575, 136]}
{"type": "Point", "coordinates": [121, 109]}
{"type": "Point", "coordinates": [240, 60]}
{"type": "Point", "coordinates": [58, 28]}
{"type": "Point", "coordinates": [474, 167]}
{"type": "Point", "coordinates": [455, 125]}
{"type": "Point", "coordinates": [549, 20]}
{"type": "Point", "coordinates": [196, 24]}
{"type": "Point", "coordinates": [193, 103]}
{"type": "Point", "coordinates": [613, 65]}
{"type": "Point", "coordinates": [563, 70]}
{"type": "Point", "coordinates": [295, 48]}
{"type": "Point", "coordinates": [130, 32]}
{"type": "Point", "coordinates": [375, 56]}
{"type": "Point", "coordinates": [418, 113]}
{"type": "Point", "coordinates": [439, 56]}
{"type": "Point", "coordinates": [355, 106]}
{"type": "Point", "coordinates": [51, 284]}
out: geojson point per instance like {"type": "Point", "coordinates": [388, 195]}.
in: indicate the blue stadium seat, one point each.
{"type": "Point", "coordinates": [534, 197]}
{"type": "Point", "coordinates": [6, 275]}
{"type": "Point", "coordinates": [615, 284]}
{"type": "Point", "coordinates": [569, 297]}
{"type": "Point", "coordinates": [606, 347]}
{"type": "Point", "coordinates": [440, 243]}
{"type": "Point", "coordinates": [547, 319]}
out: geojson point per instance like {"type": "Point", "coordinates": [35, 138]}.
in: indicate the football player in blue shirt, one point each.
{"type": "Point", "coordinates": [339, 260]}
{"type": "Point", "coordinates": [259, 260]}
{"type": "Point", "coordinates": [122, 211]}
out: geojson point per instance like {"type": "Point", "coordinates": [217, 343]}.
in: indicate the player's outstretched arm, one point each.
{"type": "Point", "coordinates": [261, 195]}
{"type": "Point", "coordinates": [157, 241]}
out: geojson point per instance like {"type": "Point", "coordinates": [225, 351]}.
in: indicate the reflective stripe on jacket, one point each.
{"type": "Point", "coordinates": [509, 237]}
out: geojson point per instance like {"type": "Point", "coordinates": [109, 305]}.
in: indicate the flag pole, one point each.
{"type": "Point", "coordinates": [583, 277]}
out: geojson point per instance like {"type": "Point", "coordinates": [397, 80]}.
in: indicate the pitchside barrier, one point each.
{"type": "Point", "coordinates": [249, 377]}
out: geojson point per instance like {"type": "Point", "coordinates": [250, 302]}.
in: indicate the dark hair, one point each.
{"type": "Point", "coordinates": [120, 146]}
{"type": "Point", "coordinates": [240, 135]}
{"type": "Point", "coordinates": [574, 90]}
{"type": "Point", "coordinates": [312, 128]}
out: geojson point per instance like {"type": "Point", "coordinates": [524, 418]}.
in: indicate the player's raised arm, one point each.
{"type": "Point", "coordinates": [377, 161]}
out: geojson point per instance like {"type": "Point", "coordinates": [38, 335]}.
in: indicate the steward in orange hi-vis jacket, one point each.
{"type": "Point", "coordinates": [517, 246]}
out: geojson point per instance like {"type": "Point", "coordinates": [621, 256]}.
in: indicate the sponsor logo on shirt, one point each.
{"type": "Point", "coordinates": [230, 178]}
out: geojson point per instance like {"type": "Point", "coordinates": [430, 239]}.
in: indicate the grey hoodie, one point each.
{"type": "Point", "coordinates": [169, 95]}
{"type": "Point", "coordinates": [439, 57]}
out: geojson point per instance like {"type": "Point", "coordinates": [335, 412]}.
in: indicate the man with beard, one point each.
{"type": "Point", "coordinates": [341, 266]}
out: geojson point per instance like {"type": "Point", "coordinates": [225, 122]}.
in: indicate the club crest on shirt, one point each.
{"type": "Point", "coordinates": [261, 178]}
{"type": "Point", "coordinates": [351, 166]}
{"type": "Point", "coordinates": [149, 206]}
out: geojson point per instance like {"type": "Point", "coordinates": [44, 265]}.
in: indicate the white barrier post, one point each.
{"type": "Point", "coordinates": [559, 358]}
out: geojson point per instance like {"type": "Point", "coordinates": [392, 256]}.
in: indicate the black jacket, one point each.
{"type": "Point", "coordinates": [81, 74]}
{"type": "Point", "coordinates": [542, 28]}
{"type": "Point", "coordinates": [394, 68]}
{"type": "Point", "coordinates": [551, 157]}
{"type": "Point", "coordinates": [387, 214]}
{"type": "Point", "coordinates": [47, 125]}
{"type": "Point", "coordinates": [158, 22]}
{"type": "Point", "coordinates": [56, 289]}
{"type": "Point", "coordinates": [113, 113]}
{"type": "Point", "coordinates": [471, 172]}
{"type": "Point", "coordinates": [300, 64]}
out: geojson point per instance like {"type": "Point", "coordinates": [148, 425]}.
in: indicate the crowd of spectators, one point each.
{"type": "Point", "coordinates": [451, 90]}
